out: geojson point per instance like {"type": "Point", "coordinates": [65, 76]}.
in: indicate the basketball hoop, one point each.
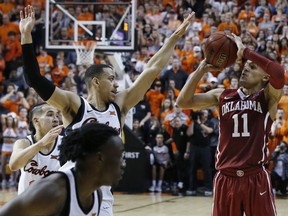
{"type": "Point", "coordinates": [85, 52]}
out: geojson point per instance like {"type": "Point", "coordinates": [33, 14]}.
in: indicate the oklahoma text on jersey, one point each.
{"type": "Point", "coordinates": [241, 105]}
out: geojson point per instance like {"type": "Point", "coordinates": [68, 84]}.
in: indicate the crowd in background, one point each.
{"type": "Point", "coordinates": [181, 143]}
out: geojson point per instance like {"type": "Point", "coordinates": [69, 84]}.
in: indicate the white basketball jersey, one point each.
{"type": "Point", "coordinates": [40, 165]}
{"type": "Point", "coordinates": [74, 207]}
{"type": "Point", "coordinates": [87, 114]}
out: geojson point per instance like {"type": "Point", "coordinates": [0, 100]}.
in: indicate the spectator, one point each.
{"type": "Point", "coordinates": [44, 59]}
{"type": "Point", "coordinates": [160, 161]}
{"type": "Point", "coordinates": [9, 130]}
{"type": "Point", "coordinates": [199, 132]}
{"type": "Point", "coordinates": [181, 150]}
{"type": "Point", "coordinates": [23, 128]}
{"type": "Point", "coordinates": [12, 50]}
{"type": "Point", "coordinates": [155, 99]}
{"type": "Point", "coordinates": [175, 73]}
{"type": "Point", "coordinates": [13, 99]}
{"type": "Point", "coordinates": [247, 13]}
{"type": "Point", "coordinates": [7, 27]}
{"type": "Point", "coordinates": [59, 72]}
{"type": "Point", "coordinates": [279, 173]}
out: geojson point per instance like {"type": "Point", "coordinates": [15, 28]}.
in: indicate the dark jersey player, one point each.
{"type": "Point", "coordinates": [242, 184]}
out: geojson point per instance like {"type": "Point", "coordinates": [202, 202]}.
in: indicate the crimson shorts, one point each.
{"type": "Point", "coordinates": [236, 192]}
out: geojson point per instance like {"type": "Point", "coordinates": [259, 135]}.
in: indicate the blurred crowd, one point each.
{"type": "Point", "coordinates": [181, 143]}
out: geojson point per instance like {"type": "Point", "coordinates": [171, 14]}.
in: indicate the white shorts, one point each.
{"type": "Point", "coordinates": [7, 148]}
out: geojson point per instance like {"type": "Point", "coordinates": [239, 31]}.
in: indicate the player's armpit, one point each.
{"type": "Point", "coordinates": [66, 102]}
{"type": "Point", "coordinates": [272, 96]}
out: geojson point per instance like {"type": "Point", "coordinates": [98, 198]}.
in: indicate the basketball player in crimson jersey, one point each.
{"type": "Point", "coordinates": [242, 184]}
{"type": "Point", "coordinates": [37, 155]}
{"type": "Point", "coordinates": [104, 103]}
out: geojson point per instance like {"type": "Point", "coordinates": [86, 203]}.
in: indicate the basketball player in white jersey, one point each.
{"type": "Point", "coordinates": [97, 150]}
{"type": "Point", "coordinates": [38, 154]}
{"type": "Point", "coordinates": [104, 104]}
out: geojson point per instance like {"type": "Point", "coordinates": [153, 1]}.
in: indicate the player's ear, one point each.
{"type": "Point", "coordinates": [266, 78]}
{"type": "Point", "coordinates": [95, 81]}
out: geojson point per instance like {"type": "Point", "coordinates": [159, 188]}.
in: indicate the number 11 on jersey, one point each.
{"type": "Point", "coordinates": [236, 132]}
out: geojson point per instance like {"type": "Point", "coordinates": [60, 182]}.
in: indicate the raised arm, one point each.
{"type": "Point", "coordinates": [274, 70]}
{"type": "Point", "coordinates": [65, 101]}
{"type": "Point", "coordinates": [44, 197]}
{"type": "Point", "coordinates": [23, 152]}
{"type": "Point", "coordinates": [131, 96]}
{"type": "Point", "coordinates": [187, 97]}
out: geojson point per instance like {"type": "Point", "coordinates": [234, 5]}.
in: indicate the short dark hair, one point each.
{"type": "Point", "coordinates": [34, 110]}
{"type": "Point", "coordinates": [95, 70]}
{"type": "Point", "coordinates": [85, 140]}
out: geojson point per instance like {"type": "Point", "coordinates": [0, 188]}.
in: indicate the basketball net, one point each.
{"type": "Point", "coordinates": [85, 52]}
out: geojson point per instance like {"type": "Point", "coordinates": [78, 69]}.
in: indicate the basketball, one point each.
{"type": "Point", "coordinates": [220, 51]}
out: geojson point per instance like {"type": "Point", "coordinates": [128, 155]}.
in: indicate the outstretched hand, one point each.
{"type": "Point", "coordinates": [180, 31]}
{"type": "Point", "coordinates": [239, 44]}
{"type": "Point", "coordinates": [27, 20]}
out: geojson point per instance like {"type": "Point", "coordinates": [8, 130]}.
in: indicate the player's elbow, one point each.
{"type": "Point", "coordinates": [13, 165]}
{"type": "Point", "coordinates": [182, 103]}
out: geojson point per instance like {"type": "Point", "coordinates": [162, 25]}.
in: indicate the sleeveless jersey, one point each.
{"type": "Point", "coordinates": [244, 127]}
{"type": "Point", "coordinates": [86, 114]}
{"type": "Point", "coordinates": [74, 206]}
{"type": "Point", "coordinates": [22, 130]}
{"type": "Point", "coordinates": [9, 133]}
{"type": "Point", "coordinates": [40, 165]}
{"type": "Point", "coordinates": [8, 147]}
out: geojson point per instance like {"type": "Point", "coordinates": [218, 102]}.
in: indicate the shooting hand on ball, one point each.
{"type": "Point", "coordinates": [239, 44]}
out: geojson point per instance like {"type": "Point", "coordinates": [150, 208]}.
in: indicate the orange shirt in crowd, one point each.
{"type": "Point", "coordinates": [36, 3]}
{"type": "Point", "coordinates": [58, 75]}
{"type": "Point", "coordinates": [165, 2]}
{"type": "Point", "coordinates": [43, 61]}
{"type": "Point", "coordinates": [4, 29]}
{"type": "Point", "coordinates": [231, 26]}
{"type": "Point", "coordinates": [188, 60]}
{"type": "Point", "coordinates": [2, 67]}
{"type": "Point", "coordinates": [6, 8]}
{"type": "Point", "coordinates": [155, 100]}
{"type": "Point", "coordinates": [253, 30]}
{"type": "Point", "coordinates": [176, 93]}
{"type": "Point", "coordinates": [244, 15]}
{"type": "Point", "coordinates": [13, 49]}
{"type": "Point", "coordinates": [283, 104]}
{"type": "Point", "coordinates": [163, 114]}
{"type": "Point", "coordinates": [12, 106]}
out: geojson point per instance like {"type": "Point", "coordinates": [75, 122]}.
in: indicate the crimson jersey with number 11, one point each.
{"type": "Point", "coordinates": [244, 126]}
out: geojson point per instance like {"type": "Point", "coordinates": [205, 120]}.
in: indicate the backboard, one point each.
{"type": "Point", "coordinates": [110, 23]}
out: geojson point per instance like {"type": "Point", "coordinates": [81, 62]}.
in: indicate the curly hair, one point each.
{"type": "Point", "coordinates": [85, 140]}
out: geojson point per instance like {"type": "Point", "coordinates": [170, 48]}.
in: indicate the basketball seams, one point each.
{"type": "Point", "coordinates": [216, 55]}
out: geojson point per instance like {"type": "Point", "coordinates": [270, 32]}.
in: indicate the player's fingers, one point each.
{"type": "Point", "coordinates": [21, 15]}
{"type": "Point", "coordinates": [25, 12]}
{"type": "Point", "coordinates": [32, 12]}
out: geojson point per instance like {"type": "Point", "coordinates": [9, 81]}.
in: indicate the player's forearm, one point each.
{"type": "Point", "coordinates": [185, 97]}
{"type": "Point", "coordinates": [161, 58]}
{"type": "Point", "coordinates": [32, 73]}
{"type": "Point", "coordinates": [20, 158]}
{"type": "Point", "coordinates": [275, 70]}
{"type": "Point", "coordinates": [26, 38]}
